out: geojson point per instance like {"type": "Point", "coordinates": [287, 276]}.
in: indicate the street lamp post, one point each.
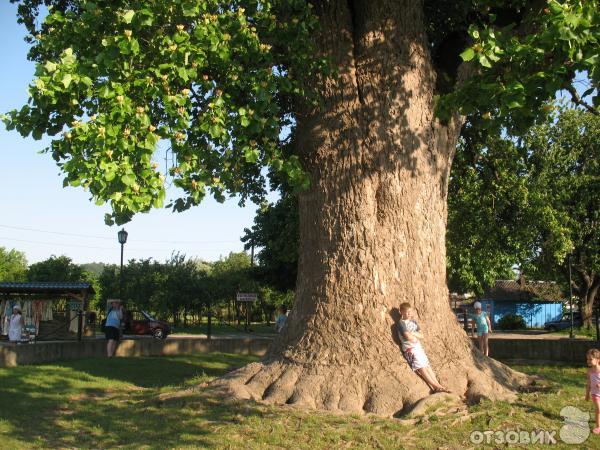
{"type": "Point", "coordinates": [122, 236]}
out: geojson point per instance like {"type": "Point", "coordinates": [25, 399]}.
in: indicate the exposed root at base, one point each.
{"type": "Point", "coordinates": [387, 392]}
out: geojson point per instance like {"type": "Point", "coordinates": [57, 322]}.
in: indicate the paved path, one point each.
{"type": "Point", "coordinates": [532, 335]}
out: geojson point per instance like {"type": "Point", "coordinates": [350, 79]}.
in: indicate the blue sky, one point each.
{"type": "Point", "coordinates": [41, 218]}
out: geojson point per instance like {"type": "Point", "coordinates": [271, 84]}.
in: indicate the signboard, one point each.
{"type": "Point", "coordinates": [246, 297]}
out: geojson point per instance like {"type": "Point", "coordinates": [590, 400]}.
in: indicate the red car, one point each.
{"type": "Point", "coordinates": [143, 323]}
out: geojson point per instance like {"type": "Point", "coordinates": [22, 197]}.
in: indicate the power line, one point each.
{"type": "Point", "coordinates": [60, 244]}
{"type": "Point", "coordinates": [66, 245]}
{"type": "Point", "coordinates": [110, 239]}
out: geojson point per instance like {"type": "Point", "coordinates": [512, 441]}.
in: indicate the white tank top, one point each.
{"type": "Point", "coordinates": [15, 328]}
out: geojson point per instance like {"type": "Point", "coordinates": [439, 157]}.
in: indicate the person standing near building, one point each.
{"type": "Point", "coordinates": [15, 325]}
{"type": "Point", "coordinates": [112, 328]}
{"type": "Point", "coordinates": [280, 319]}
{"type": "Point", "coordinates": [484, 328]}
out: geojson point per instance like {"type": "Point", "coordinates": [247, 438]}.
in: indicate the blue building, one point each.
{"type": "Point", "coordinates": [535, 301]}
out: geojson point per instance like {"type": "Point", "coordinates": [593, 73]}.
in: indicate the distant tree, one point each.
{"type": "Point", "coordinates": [94, 267]}
{"type": "Point", "coordinates": [564, 164]}
{"type": "Point", "coordinates": [180, 290]}
{"type": "Point", "coordinates": [13, 265]}
{"type": "Point", "coordinates": [489, 226]}
{"type": "Point", "coordinates": [231, 274]}
{"type": "Point", "coordinates": [531, 202]}
{"type": "Point", "coordinates": [275, 236]}
{"type": "Point", "coordinates": [56, 268]}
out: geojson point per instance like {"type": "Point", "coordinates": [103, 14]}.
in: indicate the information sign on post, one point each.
{"type": "Point", "coordinates": [246, 297]}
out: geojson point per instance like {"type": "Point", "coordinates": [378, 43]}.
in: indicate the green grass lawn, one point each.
{"type": "Point", "coordinates": [107, 403]}
{"type": "Point", "coordinates": [582, 332]}
{"type": "Point", "coordinates": [219, 329]}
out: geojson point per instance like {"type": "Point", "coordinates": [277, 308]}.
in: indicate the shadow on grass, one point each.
{"type": "Point", "coordinates": [150, 372]}
{"type": "Point", "coordinates": [564, 376]}
{"type": "Point", "coordinates": [103, 403]}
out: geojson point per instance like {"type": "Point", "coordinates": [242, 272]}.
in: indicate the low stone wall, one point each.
{"type": "Point", "coordinates": [45, 352]}
{"type": "Point", "coordinates": [534, 351]}
{"type": "Point", "coordinates": [566, 351]}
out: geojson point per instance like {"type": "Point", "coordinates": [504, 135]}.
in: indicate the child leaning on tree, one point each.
{"type": "Point", "coordinates": [409, 334]}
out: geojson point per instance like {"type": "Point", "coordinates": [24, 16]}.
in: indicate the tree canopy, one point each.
{"type": "Point", "coordinates": [220, 82]}
{"type": "Point", "coordinates": [531, 202]}
{"type": "Point", "coordinates": [275, 236]}
{"type": "Point", "coordinates": [56, 268]}
{"type": "Point", "coordinates": [13, 265]}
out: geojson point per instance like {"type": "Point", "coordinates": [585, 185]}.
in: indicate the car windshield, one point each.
{"type": "Point", "coordinates": [148, 316]}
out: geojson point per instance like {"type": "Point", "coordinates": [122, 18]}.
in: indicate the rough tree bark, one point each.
{"type": "Point", "coordinates": [372, 230]}
{"type": "Point", "coordinates": [586, 290]}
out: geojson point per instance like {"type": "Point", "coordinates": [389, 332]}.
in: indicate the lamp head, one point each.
{"type": "Point", "coordinates": [122, 235]}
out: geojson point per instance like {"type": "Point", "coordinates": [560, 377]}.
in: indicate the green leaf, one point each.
{"type": "Point", "coordinates": [159, 200]}
{"type": "Point", "coordinates": [128, 16]}
{"type": "Point", "coordinates": [251, 154]}
{"type": "Point", "coordinates": [485, 62]}
{"type": "Point", "coordinates": [555, 7]}
{"type": "Point", "coordinates": [468, 54]}
{"type": "Point", "coordinates": [128, 180]}
{"type": "Point", "coordinates": [134, 45]}
{"type": "Point", "coordinates": [66, 80]}
{"type": "Point", "coordinates": [190, 8]}
{"type": "Point", "coordinates": [50, 66]}
{"type": "Point", "coordinates": [183, 73]}
{"type": "Point", "coordinates": [588, 92]}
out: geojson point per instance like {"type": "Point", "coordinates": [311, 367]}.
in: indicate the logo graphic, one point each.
{"type": "Point", "coordinates": [576, 428]}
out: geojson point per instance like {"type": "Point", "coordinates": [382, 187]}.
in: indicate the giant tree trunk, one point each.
{"type": "Point", "coordinates": [372, 229]}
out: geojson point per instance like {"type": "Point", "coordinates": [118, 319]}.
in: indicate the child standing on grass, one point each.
{"type": "Point", "coordinates": [410, 333]}
{"type": "Point", "coordinates": [280, 319]}
{"type": "Point", "coordinates": [484, 327]}
{"type": "Point", "coordinates": [593, 383]}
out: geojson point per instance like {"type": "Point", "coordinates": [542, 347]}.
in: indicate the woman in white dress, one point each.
{"type": "Point", "coordinates": [16, 324]}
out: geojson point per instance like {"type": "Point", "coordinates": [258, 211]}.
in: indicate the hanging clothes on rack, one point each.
{"type": "Point", "coordinates": [47, 311]}
{"type": "Point", "coordinates": [37, 307]}
{"type": "Point", "coordinates": [28, 313]}
{"type": "Point", "coordinates": [2, 305]}
{"type": "Point", "coordinates": [73, 324]}
{"type": "Point", "coordinates": [7, 313]}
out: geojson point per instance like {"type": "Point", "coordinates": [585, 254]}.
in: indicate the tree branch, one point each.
{"type": "Point", "coordinates": [579, 101]}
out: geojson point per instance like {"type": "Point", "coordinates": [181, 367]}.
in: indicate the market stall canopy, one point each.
{"type": "Point", "coordinates": [78, 290]}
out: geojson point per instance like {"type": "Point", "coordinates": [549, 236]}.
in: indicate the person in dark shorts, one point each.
{"type": "Point", "coordinates": [112, 328]}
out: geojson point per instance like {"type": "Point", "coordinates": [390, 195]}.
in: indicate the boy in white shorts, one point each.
{"type": "Point", "coordinates": [409, 334]}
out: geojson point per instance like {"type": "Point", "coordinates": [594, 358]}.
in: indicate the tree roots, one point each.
{"type": "Point", "coordinates": [384, 391]}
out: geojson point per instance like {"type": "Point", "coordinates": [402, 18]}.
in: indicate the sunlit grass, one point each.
{"type": "Point", "coordinates": [106, 403]}
{"type": "Point", "coordinates": [223, 328]}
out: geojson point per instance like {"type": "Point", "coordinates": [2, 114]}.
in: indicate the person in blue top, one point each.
{"type": "Point", "coordinates": [484, 327]}
{"type": "Point", "coordinates": [112, 328]}
{"type": "Point", "coordinates": [280, 319]}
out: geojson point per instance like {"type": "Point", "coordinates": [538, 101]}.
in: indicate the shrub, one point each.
{"type": "Point", "coordinates": [512, 322]}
